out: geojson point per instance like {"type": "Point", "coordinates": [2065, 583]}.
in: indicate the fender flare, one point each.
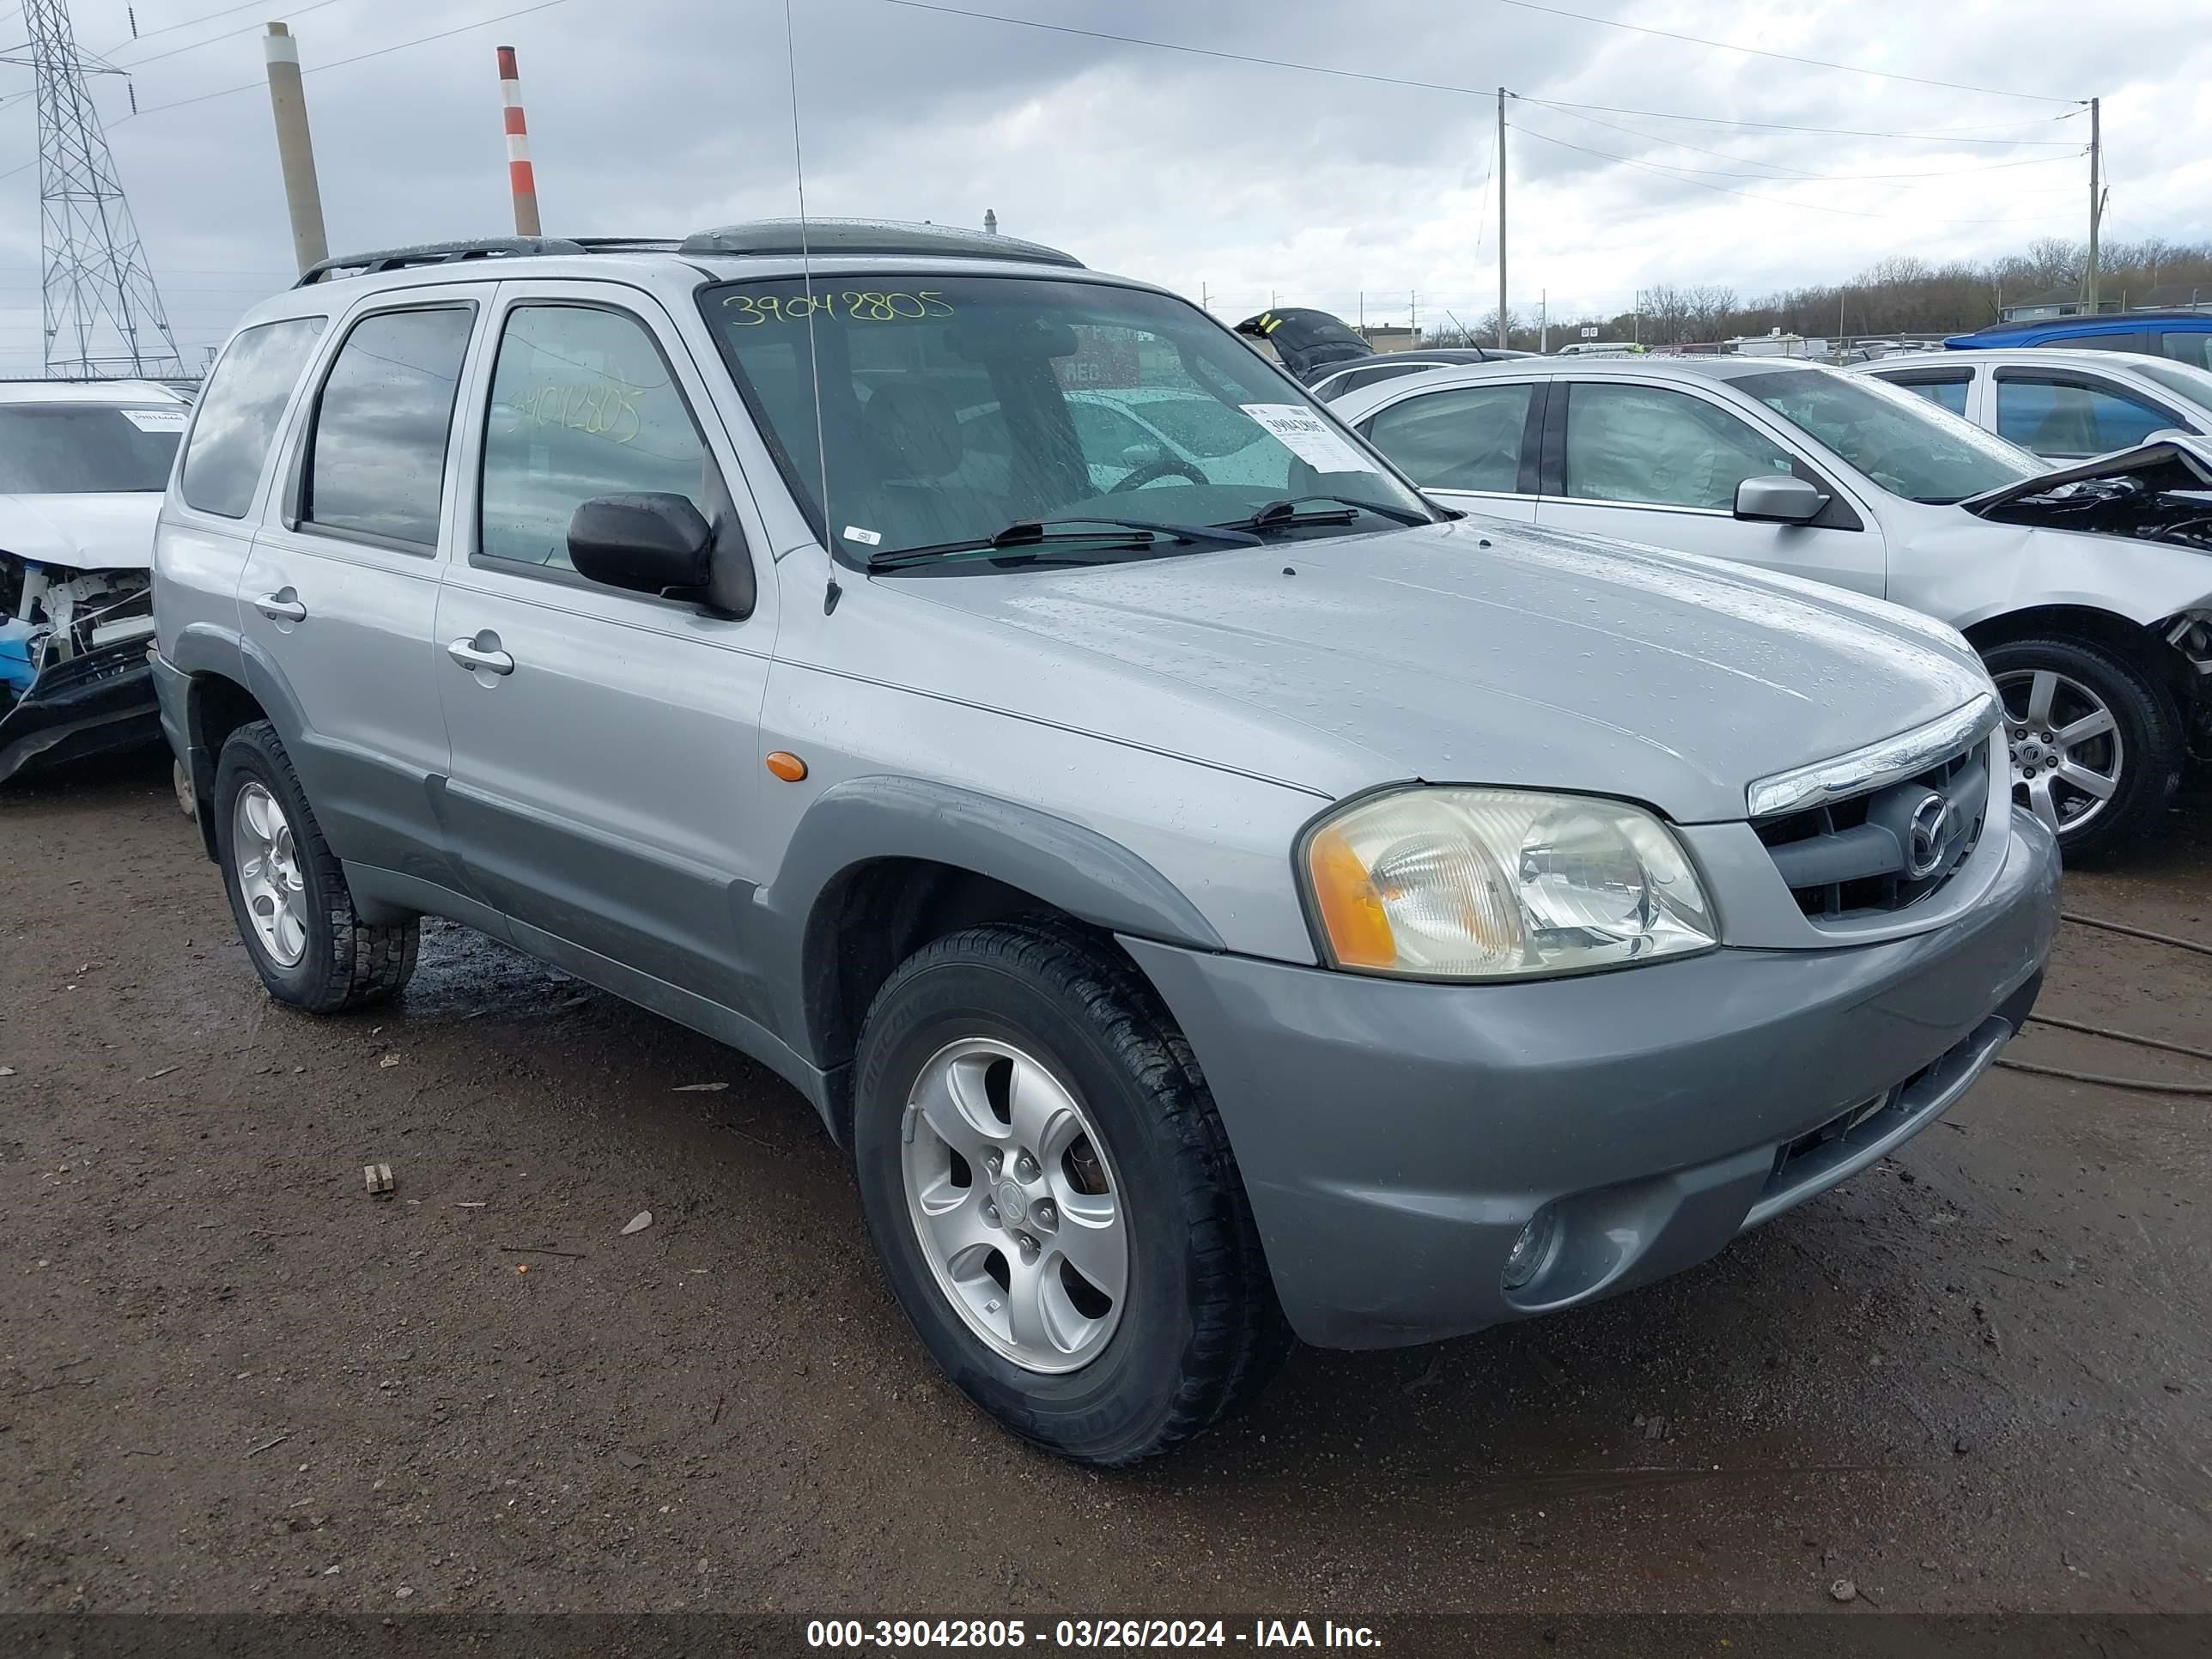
{"type": "Point", "coordinates": [864, 820]}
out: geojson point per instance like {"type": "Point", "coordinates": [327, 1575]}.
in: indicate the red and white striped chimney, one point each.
{"type": "Point", "coordinates": [520, 176]}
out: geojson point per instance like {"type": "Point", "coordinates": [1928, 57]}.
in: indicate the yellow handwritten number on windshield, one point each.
{"type": "Point", "coordinates": [751, 310]}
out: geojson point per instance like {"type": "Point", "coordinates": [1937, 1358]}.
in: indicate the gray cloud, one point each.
{"type": "Point", "coordinates": [660, 116]}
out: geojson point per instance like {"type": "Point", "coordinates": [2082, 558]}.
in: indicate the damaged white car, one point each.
{"type": "Point", "coordinates": [83, 466]}
{"type": "Point", "coordinates": [2086, 590]}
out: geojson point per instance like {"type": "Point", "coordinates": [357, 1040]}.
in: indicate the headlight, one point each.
{"type": "Point", "coordinates": [1500, 884]}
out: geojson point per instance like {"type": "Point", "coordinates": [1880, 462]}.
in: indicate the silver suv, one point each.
{"type": "Point", "coordinates": [1212, 893]}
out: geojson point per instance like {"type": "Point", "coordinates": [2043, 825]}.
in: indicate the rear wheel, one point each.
{"type": "Point", "coordinates": [288, 892]}
{"type": "Point", "coordinates": [2097, 747]}
{"type": "Point", "coordinates": [1052, 1196]}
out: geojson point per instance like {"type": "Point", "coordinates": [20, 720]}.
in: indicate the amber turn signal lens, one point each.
{"type": "Point", "coordinates": [786, 766]}
{"type": "Point", "coordinates": [1350, 910]}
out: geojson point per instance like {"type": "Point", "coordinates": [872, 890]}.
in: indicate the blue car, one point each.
{"type": "Point", "coordinates": [2185, 335]}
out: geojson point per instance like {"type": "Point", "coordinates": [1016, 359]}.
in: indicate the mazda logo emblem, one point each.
{"type": "Point", "coordinates": [1928, 836]}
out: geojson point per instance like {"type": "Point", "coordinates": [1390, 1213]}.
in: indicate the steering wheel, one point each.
{"type": "Point", "coordinates": [1152, 471]}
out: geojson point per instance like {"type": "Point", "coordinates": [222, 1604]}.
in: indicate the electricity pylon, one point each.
{"type": "Point", "coordinates": [103, 314]}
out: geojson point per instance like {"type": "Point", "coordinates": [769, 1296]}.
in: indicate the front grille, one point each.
{"type": "Point", "coordinates": [1856, 857]}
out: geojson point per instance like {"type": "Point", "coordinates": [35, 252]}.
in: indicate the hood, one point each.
{"type": "Point", "coordinates": [1309, 342]}
{"type": "Point", "coordinates": [2171, 460]}
{"type": "Point", "coordinates": [1473, 651]}
{"type": "Point", "coordinates": [84, 533]}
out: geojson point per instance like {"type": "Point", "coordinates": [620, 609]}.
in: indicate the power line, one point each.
{"type": "Point", "coordinates": [1772, 200]}
{"type": "Point", "coordinates": [1782, 56]}
{"type": "Point", "coordinates": [1450, 87]}
{"type": "Point", "coordinates": [1940, 135]}
{"type": "Point", "coordinates": [340, 63]}
{"type": "Point", "coordinates": [1781, 168]}
{"type": "Point", "coordinates": [227, 34]}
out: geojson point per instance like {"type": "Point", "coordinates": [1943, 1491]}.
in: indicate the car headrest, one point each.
{"type": "Point", "coordinates": [918, 422]}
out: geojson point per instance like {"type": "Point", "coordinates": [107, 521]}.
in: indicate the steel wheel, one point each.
{"type": "Point", "coordinates": [267, 870]}
{"type": "Point", "coordinates": [2066, 752]}
{"type": "Point", "coordinates": [1018, 1210]}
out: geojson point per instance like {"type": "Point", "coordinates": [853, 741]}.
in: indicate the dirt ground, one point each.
{"type": "Point", "coordinates": [1975, 1378]}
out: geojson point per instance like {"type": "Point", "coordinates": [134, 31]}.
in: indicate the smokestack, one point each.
{"type": "Point", "coordinates": [520, 176]}
{"type": "Point", "coordinates": [990, 222]}
{"type": "Point", "coordinates": [295, 148]}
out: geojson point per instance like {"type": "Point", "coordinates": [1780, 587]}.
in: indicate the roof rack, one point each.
{"type": "Point", "coordinates": [850, 236]}
{"type": "Point", "coordinates": [490, 247]}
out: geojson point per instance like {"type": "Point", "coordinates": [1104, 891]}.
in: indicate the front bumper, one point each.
{"type": "Point", "coordinates": [1395, 1137]}
{"type": "Point", "coordinates": [95, 702]}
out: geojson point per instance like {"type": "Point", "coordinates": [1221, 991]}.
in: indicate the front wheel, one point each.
{"type": "Point", "coordinates": [2096, 746]}
{"type": "Point", "coordinates": [1052, 1196]}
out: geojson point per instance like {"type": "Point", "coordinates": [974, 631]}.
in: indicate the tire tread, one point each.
{"type": "Point", "coordinates": [1239, 1333]}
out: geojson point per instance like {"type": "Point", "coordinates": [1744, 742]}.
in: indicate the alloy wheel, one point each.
{"type": "Point", "coordinates": [1015, 1204]}
{"type": "Point", "coordinates": [266, 863]}
{"type": "Point", "coordinates": [2067, 751]}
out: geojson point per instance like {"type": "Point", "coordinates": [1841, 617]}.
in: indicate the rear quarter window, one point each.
{"type": "Point", "coordinates": [236, 420]}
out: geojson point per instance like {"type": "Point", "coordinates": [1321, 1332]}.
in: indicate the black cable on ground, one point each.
{"type": "Point", "coordinates": [2136, 932]}
{"type": "Point", "coordinates": [2139, 1085]}
{"type": "Point", "coordinates": [2111, 1036]}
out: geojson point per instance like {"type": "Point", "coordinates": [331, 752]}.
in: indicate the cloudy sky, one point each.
{"type": "Point", "coordinates": [654, 117]}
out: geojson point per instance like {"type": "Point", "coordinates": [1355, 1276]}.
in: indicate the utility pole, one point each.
{"type": "Point", "coordinates": [1204, 304]}
{"type": "Point", "coordinates": [521, 177]}
{"type": "Point", "coordinates": [1413, 318]}
{"type": "Point", "coordinates": [1543, 320]}
{"type": "Point", "coordinates": [1505, 325]}
{"type": "Point", "coordinates": [295, 148]}
{"type": "Point", "coordinates": [2096, 202]}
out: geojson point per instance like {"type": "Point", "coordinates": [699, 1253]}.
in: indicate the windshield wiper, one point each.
{"type": "Point", "coordinates": [1026, 533]}
{"type": "Point", "coordinates": [1285, 514]}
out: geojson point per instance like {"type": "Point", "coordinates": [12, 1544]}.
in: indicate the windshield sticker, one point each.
{"type": "Point", "coordinates": [751, 310]}
{"type": "Point", "coordinates": [155, 420]}
{"type": "Point", "coordinates": [866, 537]}
{"type": "Point", "coordinates": [1310, 438]}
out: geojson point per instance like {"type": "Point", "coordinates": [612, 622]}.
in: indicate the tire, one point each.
{"type": "Point", "coordinates": [2142, 772]}
{"type": "Point", "coordinates": [342, 961]}
{"type": "Point", "coordinates": [1195, 1329]}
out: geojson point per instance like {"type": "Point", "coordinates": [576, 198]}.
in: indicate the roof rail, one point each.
{"type": "Point", "coordinates": [850, 236]}
{"type": "Point", "coordinates": [490, 247]}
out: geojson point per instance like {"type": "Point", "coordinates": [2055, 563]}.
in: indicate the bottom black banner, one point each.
{"type": "Point", "coordinates": [1854, 1635]}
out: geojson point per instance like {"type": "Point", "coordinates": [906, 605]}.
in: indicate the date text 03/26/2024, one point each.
{"type": "Point", "coordinates": [1005, 1634]}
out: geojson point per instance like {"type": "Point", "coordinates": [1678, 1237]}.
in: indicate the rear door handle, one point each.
{"type": "Point", "coordinates": [283, 605]}
{"type": "Point", "coordinates": [464, 652]}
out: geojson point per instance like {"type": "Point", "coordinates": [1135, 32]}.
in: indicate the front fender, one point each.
{"type": "Point", "coordinates": [867, 819]}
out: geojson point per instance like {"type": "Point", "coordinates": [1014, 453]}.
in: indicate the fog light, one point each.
{"type": "Point", "coordinates": [1533, 1249]}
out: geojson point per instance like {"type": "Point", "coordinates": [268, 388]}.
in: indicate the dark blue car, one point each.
{"type": "Point", "coordinates": [2185, 335]}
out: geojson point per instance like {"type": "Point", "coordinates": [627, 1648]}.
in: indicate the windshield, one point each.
{"type": "Point", "coordinates": [954, 406]}
{"type": "Point", "coordinates": [1905, 444]}
{"type": "Point", "coordinates": [83, 449]}
{"type": "Point", "coordinates": [2186, 379]}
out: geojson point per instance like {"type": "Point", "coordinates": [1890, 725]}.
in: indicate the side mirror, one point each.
{"type": "Point", "coordinates": [646, 543]}
{"type": "Point", "coordinates": [1780, 499]}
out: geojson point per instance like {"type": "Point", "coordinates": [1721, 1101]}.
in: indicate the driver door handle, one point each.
{"type": "Point", "coordinates": [465, 652]}
{"type": "Point", "coordinates": [278, 608]}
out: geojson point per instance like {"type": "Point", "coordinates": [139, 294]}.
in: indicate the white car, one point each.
{"type": "Point", "coordinates": [2086, 592]}
{"type": "Point", "coordinates": [83, 466]}
{"type": "Point", "coordinates": [2064, 405]}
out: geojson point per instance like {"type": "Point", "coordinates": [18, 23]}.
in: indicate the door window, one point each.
{"type": "Point", "coordinates": [376, 462]}
{"type": "Point", "coordinates": [1947, 393]}
{"type": "Point", "coordinates": [237, 413]}
{"type": "Point", "coordinates": [582, 405]}
{"type": "Point", "coordinates": [2055, 416]}
{"type": "Point", "coordinates": [2194, 346]}
{"type": "Point", "coordinates": [1469, 438]}
{"type": "Point", "coordinates": [1642, 444]}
